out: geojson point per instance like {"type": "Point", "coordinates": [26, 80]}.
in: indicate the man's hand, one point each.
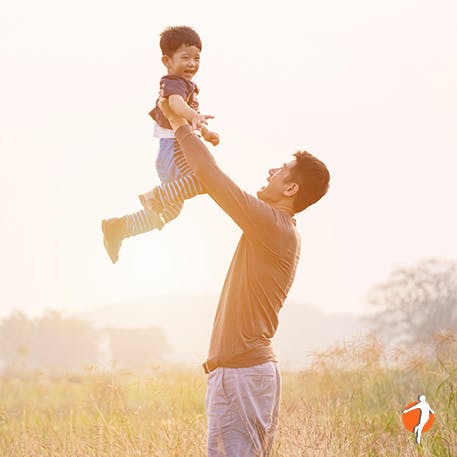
{"type": "Point", "coordinates": [211, 137]}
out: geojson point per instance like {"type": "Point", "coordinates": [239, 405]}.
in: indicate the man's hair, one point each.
{"type": "Point", "coordinates": [173, 37]}
{"type": "Point", "coordinates": [312, 178]}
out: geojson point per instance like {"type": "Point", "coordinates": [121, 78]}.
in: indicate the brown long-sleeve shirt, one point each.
{"type": "Point", "coordinates": [262, 269]}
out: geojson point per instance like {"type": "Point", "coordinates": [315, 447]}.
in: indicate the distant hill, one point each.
{"type": "Point", "coordinates": [187, 320]}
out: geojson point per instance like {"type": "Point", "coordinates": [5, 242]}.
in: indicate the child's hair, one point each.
{"type": "Point", "coordinates": [173, 37]}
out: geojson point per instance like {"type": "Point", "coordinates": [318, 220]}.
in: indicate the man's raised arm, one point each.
{"type": "Point", "coordinates": [250, 214]}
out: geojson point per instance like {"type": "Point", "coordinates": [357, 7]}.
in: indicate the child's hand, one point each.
{"type": "Point", "coordinates": [199, 120]}
{"type": "Point", "coordinates": [211, 137]}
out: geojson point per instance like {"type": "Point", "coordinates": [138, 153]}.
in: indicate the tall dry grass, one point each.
{"type": "Point", "coordinates": [347, 404]}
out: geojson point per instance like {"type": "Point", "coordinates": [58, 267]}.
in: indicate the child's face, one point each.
{"type": "Point", "coordinates": [184, 62]}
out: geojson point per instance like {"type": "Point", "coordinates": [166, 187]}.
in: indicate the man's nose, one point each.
{"type": "Point", "coordinates": [272, 171]}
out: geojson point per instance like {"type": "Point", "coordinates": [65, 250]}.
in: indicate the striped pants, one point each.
{"type": "Point", "coordinates": [185, 186]}
{"type": "Point", "coordinates": [178, 184]}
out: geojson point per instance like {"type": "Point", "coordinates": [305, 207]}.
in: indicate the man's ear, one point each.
{"type": "Point", "coordinates": [166, 60]}
{"type": "Point", "coordinates": [291, 190]}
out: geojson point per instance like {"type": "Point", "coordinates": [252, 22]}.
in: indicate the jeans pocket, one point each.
{"type": "Point", "coordinates": [217, 403]}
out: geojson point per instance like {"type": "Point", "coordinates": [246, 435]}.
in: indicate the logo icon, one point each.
{"type": "Point", "coordinates": [418, 417]}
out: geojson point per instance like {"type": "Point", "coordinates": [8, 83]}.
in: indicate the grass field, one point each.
{"type": "Point", "coordinates": [348, 404]}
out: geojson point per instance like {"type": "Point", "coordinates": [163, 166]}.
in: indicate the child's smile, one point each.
{"type": "Point", "coordinates": [184, 62]}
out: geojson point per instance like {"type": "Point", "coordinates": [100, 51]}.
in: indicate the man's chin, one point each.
{"type": "Point", "coordinates": [261, 194]}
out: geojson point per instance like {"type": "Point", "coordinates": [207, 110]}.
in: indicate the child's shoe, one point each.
{"type": "Point", "coordinates": [113, 234]}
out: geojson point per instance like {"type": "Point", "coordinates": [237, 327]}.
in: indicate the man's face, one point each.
{"type": "Point", "coordinates": [278, 183]}
{"type": "Point", "coordinates": [184, 62]}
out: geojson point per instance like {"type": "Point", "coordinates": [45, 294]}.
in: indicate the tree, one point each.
{"type": "Point", "coordinates": [63, 342]}
{"type": "Point", "coordinates": [15, 340]}
{"type": "Point", "coordinates": [416, 303]}
{"type": "Point", "coordinates": [48, 342]}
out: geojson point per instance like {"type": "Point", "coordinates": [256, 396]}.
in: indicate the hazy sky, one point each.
{"type": "Point", "coordinates": [368, 87]}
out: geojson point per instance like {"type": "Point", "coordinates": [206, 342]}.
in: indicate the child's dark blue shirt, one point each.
{"type": "Point", "coordinates": [175, 85]}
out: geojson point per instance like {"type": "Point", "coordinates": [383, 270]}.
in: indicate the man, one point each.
{"type": "Point", "coordinates": [242, 399]}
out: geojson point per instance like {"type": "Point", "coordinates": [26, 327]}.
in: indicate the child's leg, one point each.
{"type": "Point", "coordinates": [171, 212]}
{"type": "Point", "coordinates": [116, 229]}
{"type": "Point", "coordinates": [186, 185]}
{"type": "Point", "coordinates": [141, 222]}
{"type": "Point", "coordinates": [180, 160]}
{"type": "Point", "coordinates": [144, 221]}
{"type": "Point", "coordinates": [170, 192]}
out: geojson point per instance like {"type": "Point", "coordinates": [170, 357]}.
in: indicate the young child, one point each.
{"type": "Point", "coordinates": [181, 47]}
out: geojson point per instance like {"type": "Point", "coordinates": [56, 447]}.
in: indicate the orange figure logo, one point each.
{"type": "Point", "coordinates": [418, 417]}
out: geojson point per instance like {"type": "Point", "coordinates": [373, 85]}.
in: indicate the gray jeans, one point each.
{"type": "Point", "coordinates": [242, 407]}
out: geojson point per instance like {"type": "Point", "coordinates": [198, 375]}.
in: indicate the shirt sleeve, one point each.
{"type": "Point", "coordinates": [256, 218]}
{"type": "Point", "coordinates": [173, 86]}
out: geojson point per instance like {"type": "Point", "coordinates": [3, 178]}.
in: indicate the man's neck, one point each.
{"type": "Point", "coordinates": [284, 209]}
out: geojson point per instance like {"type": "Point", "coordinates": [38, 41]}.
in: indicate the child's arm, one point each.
{"type": "Point", "coordinates": [182, 109]}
